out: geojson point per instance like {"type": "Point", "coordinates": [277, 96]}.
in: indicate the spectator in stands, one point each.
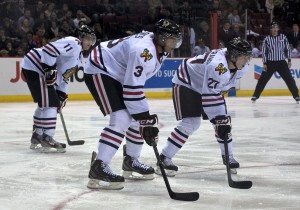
{"type": "Point", "coordinates": [234, 18]}
{"type": "Point", "coordinates": [3, 39]}
{"type": "Point", "coordinates": [30, 42]}
{"type": "Point", "coordinates": [8, 28]}
{"type": "Point", "coordinates": [257, 51]}
{"type": "Point", "coordinates": [48, 12]}
{"type": "Point", "coordinates": [294, 35]}
{"type": "Point", "coordinates": [7, 11]}
{"type": "Point", "coordinates": [204, 32]}
{"type": "Point", "coordinates": [38, 37]}
{"type": "Point", "coordinates": [27, 14]}
{"type": "Point", "coordinates": [236, 31]}
{"type": "Point", "coordinates": [65, 26]}
{"type": "Point", "coordinates": [294, 51]}
{"type": "Point", "coordinates": [38, 9]}
{"type": "Point", "coordinates": [24, 29]}
{"type": "Point", "coordinates": [188, 40]}
{"type": "Point", "coordinates": [11, 51]}
{"type": "Point", "coordinates": [19, 10]}
{"type": "Point", "coordinates": [270, 7]}
{"type": "Point", "coordinates": [164, 13]}
{"type": "Point", "coordinates": [52, 31]}
{"type": "Point", "coordinates": [62, 14]}
{"type": "Point", "coordinates": [201, 48]}
{"type": "Point", "coordinates": [225, 33]}
{"type": "Point", "coordinates": [221, 44]}
{"type": "Point", "coordinates": [80, 16]}
{"type": "Point", "coordinates": [20, 52]}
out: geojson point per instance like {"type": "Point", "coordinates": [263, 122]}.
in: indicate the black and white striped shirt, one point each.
{"type": "Point", "coordinates": [276, 48]}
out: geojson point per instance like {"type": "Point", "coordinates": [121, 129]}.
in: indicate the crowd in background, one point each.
{"type": "Point", "coordinates": [30, 24]}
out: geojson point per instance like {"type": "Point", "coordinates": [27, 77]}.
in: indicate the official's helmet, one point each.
{"type": "Point", "coordinates": [86, 32]}
{"type": "Point", "coordinates": [165, 29]}
{"type": "Point", "coordinates": [237, 47]}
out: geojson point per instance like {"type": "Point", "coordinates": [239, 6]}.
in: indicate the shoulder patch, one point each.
{"type": "Point", "coordinates": [146, 55]}
{"type": "Point", "coordinates": [221, 69]}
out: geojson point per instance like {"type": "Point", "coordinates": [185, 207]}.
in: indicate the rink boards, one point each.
{"type": "Point", "coordinates": [13, 88]}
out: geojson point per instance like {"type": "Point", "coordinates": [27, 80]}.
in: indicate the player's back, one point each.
{"type": "Point", "coordinates": [118, 54]}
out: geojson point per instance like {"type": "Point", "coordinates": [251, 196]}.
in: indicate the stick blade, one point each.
{"type": "Point", "coordinates": [240, 184]}
{"type": "Point", "coordinates": [190, 196]}
{"type": "Point", "coordinates": [74, 143]}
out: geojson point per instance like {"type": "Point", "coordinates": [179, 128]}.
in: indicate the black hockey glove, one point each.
{"type": "Point", "coordinates": [63, 97]}
{"type": "Point", "coordinates": [223, 125]}
{"type": "Point", "coordinates": [48, 68]}
{"type": "Point", "coordinates": [148, 129]}
{"type": "Point", "coordinates": [51, 77]}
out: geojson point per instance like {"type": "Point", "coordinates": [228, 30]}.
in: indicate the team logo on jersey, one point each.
{"type": "Point", "coordinates": [221, 69]}
{"type": "Point", "coordinates": [165, 23]}
{"type": "Point", "coordinates": [148, 56]}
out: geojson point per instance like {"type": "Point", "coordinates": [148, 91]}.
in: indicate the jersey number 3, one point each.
{"type": "Point", "coordinates": [139, 71]}
{"type": "Point", "coordinates": [212, 83]}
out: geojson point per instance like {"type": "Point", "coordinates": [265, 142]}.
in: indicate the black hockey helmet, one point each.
{"type": "Point", "coordinates": [86, 32]}
{"type": "Point", "coordinates": [237, 47]}
{"type": "Point", "coordinates": [165, 29]}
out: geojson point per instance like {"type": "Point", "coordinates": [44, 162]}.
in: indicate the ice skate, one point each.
{"type": "Point", "coordinates": [48, 144]}
{"type": "Point", "coordinates": [297, 99]}
{"type": "Point", "coordinates": [168, 165]}
{"type": "Point", "coordinates": [101, 177]}
{"type": "Point", "coordinates": [135, 170]}
{"type": "Point", "coordinates": [253, 99]}
{"type": "Point", "coordinates": [36, 140]}
{"type": "Point", "coordinates": [233, 164]}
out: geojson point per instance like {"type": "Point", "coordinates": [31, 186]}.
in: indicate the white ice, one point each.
{"type": "Point", "coordinates": [266, 143]}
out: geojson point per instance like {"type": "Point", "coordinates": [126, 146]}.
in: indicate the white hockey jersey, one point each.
{"type": "Point", "coordinates": [131, 61]}
{"type": "Point", "coordinates": [210, 76]}
{"type": "Point", "coordinates": [65, 52]}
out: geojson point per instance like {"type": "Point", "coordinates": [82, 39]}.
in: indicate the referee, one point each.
{"type": "Point", "coordinates": [275, 50]}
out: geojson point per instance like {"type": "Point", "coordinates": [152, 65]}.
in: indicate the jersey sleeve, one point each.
{"type": "Point", "coordinates": [214, 80]}
{"type": "Point", "coordinates": [140, 63]}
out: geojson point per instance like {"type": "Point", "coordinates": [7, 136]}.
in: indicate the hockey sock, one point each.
{"type": "Point", "coordinates": [37, 122]}
{"type": "Point", "coordinates": [175, 141]}
{"type": "Point", "coordinates": [47, 120]}
{"type": "Point", "coordinates": [109, 143]}
{"type": "Point", "coordinates": [134, 142]}
{"type": "Point", "coordinates": [222, 147]}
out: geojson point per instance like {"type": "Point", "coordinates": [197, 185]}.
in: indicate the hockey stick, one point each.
{"type": "Point", "coordinates": [189, 196]}
{"type": "Point", "coordinates": [71, 143]}
{"type": "Point", "coordinates": [234, 184]}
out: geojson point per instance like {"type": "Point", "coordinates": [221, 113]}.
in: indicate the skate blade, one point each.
{"type": "Point", "coordinates": [52, 150]}
{"type": "Point", "coordinates": [169, 173]}
{"type": "Point", "coordinates": [131, 175]}
{"type": "Point", "coordinates": [233, 171]}
{"type": "Point", "coordinates": [99, 184]}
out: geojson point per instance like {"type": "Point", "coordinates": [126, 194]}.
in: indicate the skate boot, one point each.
{"type": "Point", "coordinates": [233, 164]}
{"type": "Point", "coordinates": [101, 177]}
{"type": "Point", "coordinates": [50, 145]}
{"type": "Point", "coordinates": [168, 165]}
{"type": "Point", "coordinates": [36, 140]}
{"type": "Point", "coordinates": [297, 99]}
{"type": "Point", "coordinates": [135, 170]}
{"type": "Point", "coordinates": [253, 99]}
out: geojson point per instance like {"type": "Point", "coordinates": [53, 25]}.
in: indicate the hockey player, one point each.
{"type": "Point", "coordinates": [198, 88]}
{"type": "Point", "coordinates": [115, 73]}
{"type": "Point", "coordinates": [47, 70]}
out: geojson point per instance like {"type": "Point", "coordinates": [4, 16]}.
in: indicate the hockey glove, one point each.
{"type": "Point", "coordinates": [51, 77]}
{"type": "Point", "coordinates": [48, 68]}
{"type": "Point", "coordinates": [63, 97]}
{"type": "Point", "coordinates": [222, 125]}
{"type": "Point", "coordinates": [148, 129]}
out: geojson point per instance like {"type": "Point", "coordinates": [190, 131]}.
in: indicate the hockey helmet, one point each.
{"type": "Point", "coordinates": [86, 32]}
{"type": "Point", "coordinates": [237, 47]}
{"type": "Point", "coordinates": [165, 29]}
